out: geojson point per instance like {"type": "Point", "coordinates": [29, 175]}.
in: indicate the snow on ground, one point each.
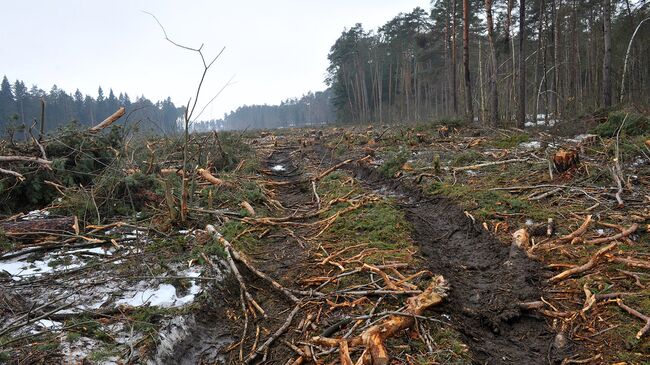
{"type": "Point", "coordinates": [164, 295]}
{"type": "Point", "coordinates": [36, 214]}
{"type": "Point", "coordinates": [278, 168]}
{"type": "Point", "coordinates": [20, 269]}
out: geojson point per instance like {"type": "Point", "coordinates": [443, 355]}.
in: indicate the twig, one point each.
{"type": "Point", "coordinates": [637, 314]}
{"type": "Point", "coordinates": [577, 233]}
{"type": "Point", "coordinates": [586, 266]}
{"type": "Point", "coordinates": [273, 337]}
{"type": "Point", "coordinates": [494, 163]}
{"type": "Point", "coordinates": [622, 234]}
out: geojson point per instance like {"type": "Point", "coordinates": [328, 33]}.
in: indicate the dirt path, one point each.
{"type": "Point", "coordinates": [486, 283]}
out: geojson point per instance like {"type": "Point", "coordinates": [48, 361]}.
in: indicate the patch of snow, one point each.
{"type": "Point", "coordinates": [471, 172]}
{"type": "Point", "coordinates": [95, 250]}
{"type": "Point", "coordinates": [532, 145]}
{"type": "Point", "coordinates": [529, 124]}
{"type": "Point", "coordinates": [20, 269]}
{"type": "Point", "coordinates": [600, 231]}
{"type": "Point", "coordinates": [581, 137]}
{"type": "Point", "coordinates": [36, 214]}
{"type": "Point", "coordinates": [640, 161]}
{"type": "Point", "coordinates": [45, 324]}
{"type": "Point", "coordinates": [77, 351]}
{"type": "Point", "coordinates": [278, 168]}
{"type": "Point", "coordinates": [529, 222]}
{"type": "Point", "coordinates": [163, 296]}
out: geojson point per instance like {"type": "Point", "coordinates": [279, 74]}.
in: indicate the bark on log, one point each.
{"type": "Point", "coordinates": [40, 226]}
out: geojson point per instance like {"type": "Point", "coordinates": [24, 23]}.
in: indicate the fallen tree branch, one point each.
{"type": "Point", "coordinates": [586, 266]}
{"type": "Point", "coordinates": [233, 267]}
{"type": "Point", "coordinates": [207, 176]}
{"type": "Point", "coordinates": [38, 160]}
{"type": "Point", "coordinates": [17, 175]}
{"type": "Point", "coordinates": [485, 164]}
{"type": "Point", "coordinates": [108, 121]}
{"type": "Point", "coordinates": [260, 350]}
{"type": "Point", "coordinates": [632, 262]}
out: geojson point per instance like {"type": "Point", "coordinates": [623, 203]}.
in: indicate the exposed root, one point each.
{"type": "Point", "coordinates": [373, 339]}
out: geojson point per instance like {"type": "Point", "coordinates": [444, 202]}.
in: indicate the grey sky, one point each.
{"type": "Point", "coordinates": [275, 49]}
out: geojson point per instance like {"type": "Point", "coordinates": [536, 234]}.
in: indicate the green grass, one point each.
{"type": "Point", "coordinates": [466, 158]}
{"type": "Point", "coordinates": [88, 327]}
{"type": "Point", "coordinates": [635, 125]}
{"type": "Point", "coordinates": [447, 349]}
{"type": "Point", "coordinates": [380, 224]}
{"type": "Point", "coordinates": [510, 141]}
{"type": "Point", "coordinates": [393, 162]}
{"type": "Point", "coordinates": [485, 203]}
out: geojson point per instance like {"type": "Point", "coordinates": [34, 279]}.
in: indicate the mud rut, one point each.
{"type": "Point", "coordinates": [486, 283]}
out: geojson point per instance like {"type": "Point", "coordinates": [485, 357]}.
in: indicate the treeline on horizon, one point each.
{"type": "Point", "coordinates": [20, 107]}
{"type": "Point", "coordinates": [311, 109]}
{"type": "Point", "coordinates": [494, 61]}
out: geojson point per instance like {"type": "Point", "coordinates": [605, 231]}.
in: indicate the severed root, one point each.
{"type": "Point", "coordinates": [624, 233]}
{"type": "Point", "coordinates": [586, 266]}
{"type": "Point", "coordinates": [637, 314]}
{"type": "Point", "coordinates": [577, 233]}
{"type": "Point", "coordinates": [374, 337]}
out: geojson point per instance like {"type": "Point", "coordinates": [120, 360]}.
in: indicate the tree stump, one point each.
{"type": "Point", "coordinates": [564, 160]}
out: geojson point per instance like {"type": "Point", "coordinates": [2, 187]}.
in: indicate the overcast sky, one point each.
{"type": "Point", "coordinates": [274, 49]}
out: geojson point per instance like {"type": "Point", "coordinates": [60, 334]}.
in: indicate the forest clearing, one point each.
{"type": "Point", "coordinates": [427, 244]}
{"type": "Point", "coordinates": [467, 183]}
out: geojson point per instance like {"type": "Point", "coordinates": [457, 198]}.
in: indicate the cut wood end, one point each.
{"type": "Point", "coordinates": [433, 294]}
{"type": "Point", "coordinates": [521, 238]}
{"type": "Point", "coordinates": [206, 175]}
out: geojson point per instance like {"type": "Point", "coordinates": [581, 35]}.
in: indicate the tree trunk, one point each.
{"type": "Point", "coordinates": [453, 57]}
{"type": "Point", "coordinates": [521, 115]}
{"type": "Point", "coordinates": [469, 110]}
{"type": "Point", "coordinates": [494, 98]}
{"type": "Point", "coordinates": [607, 56]}
{"type": "Point", "coordinates": [556, 70]}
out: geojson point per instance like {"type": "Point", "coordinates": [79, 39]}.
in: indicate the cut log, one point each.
{"type": "Point", "coordinates": [40, 226]}
{"type": "Point", "coordinates": [206, 175]}
{"type": "Point", "coordinates": [38, 160]}
{"type": "Point", "coordinates": [564, 160]}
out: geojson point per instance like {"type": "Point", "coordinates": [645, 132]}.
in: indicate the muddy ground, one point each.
{"type": "Point", "coordinates": [318, 248]}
